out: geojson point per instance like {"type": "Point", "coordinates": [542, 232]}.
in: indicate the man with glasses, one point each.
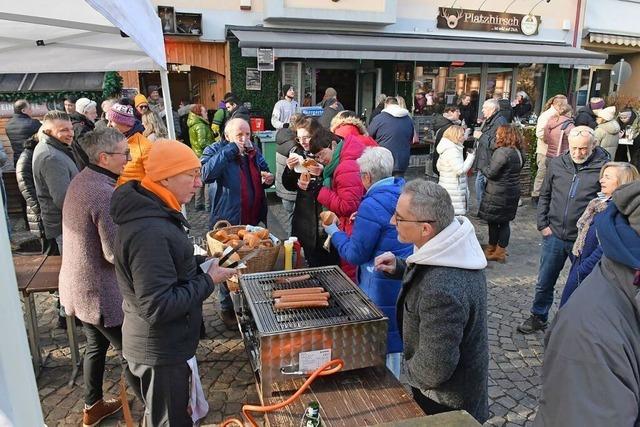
{"type": "Point", "coordinates": [162, 284]}
{"type": "Point", "coordinates": [571, 181]}
{"type": "Point", "coordinates": [442, 307]}
{"type": "Point", "coordinates": [88, 287]}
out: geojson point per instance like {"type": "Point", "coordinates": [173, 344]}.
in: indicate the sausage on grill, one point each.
{"type": "Point", "coordinates": [279, 305]}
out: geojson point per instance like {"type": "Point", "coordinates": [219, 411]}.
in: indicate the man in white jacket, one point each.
{"type": "Point", "coordinates": [556, 105]}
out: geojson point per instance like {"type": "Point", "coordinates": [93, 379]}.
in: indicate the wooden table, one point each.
{"type": "Point", "coordinates": [347, 399]}
{"type": "Point", "coordinates": [39, 273]}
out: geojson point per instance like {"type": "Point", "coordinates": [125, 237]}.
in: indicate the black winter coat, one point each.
{"type": "Point", "coordinates": [501, 195]}
{"type": "Point", "coordinates": [20, 128]}
{"type": "Point", "coordinates": [505, 110]}
{"type": "Point", "coordinates": [566, 191]}
{"type": "Point", "coordinates": [585, 117]}
{"type": "Point", "coordinates": [160, 279]}
{"type": "Point", "coordinates": [81, 126]}
{"type": "Point", "coordinates": [469, 114]}
{"type": "Point", "coordinates": [305, 222]}
{"type": "Point", "coordinates": [24, 176]}
{"type": "Point", "coordinates": [487, 141]}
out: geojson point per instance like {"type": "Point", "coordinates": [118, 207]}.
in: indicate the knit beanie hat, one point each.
{"type": "Point", "coordinates": [169, 158]}
{"type": "Point", "coordinates": [285, 89]}
{"type": "Point", "coordinates": [140, 99]}
{"type": "Point", "coordinates": [84, 104]}
{"type": "Point", "coordinates": [606, 114]}
{"type": "Point", "coordinates": [121, 114]}
{"type": "Point", "coordinates": [596, 103]}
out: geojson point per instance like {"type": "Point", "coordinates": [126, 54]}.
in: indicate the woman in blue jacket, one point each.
{"type": "Point", "coordinates": [373, 235]}
{"type": "Point", "coordinates": [586, 250]}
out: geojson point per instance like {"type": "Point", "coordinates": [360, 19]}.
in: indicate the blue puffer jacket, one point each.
{"type": "Point", "coordinates": [371, 236]}
{"type": "Point", "coordinates": [221, 169]}
{"type": "Point", "coordinates": [583, 265]}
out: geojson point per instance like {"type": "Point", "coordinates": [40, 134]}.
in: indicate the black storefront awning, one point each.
{"type": "Point", "coordinates": [52, 82]}
{"type": "Point", "coordinates": [297, 44]}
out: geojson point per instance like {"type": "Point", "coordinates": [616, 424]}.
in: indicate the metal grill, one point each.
{"type": "Point", "coordinates": [347, 303]}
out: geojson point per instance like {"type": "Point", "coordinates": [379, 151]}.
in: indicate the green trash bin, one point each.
{"type": "Point", "coordinates": [268, 147]}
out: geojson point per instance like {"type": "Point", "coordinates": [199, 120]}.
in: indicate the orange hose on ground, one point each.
{"type": "Point", "coordinates": [326, 369]}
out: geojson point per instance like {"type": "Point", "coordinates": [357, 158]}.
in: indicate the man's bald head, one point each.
{"type": "Point", "coordinates": [236, 129]}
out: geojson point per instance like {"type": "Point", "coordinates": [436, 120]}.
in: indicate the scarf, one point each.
{"type": "Point", "coordinates": [165, 195]}
{"type": "Point", "coordinates": [328, 171]}
{"type": "Point", "coordinates": [595, 206]}
{"type": "Point", "coordinates": [250, 210]}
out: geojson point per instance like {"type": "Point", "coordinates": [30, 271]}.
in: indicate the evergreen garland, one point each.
{"type": "Point", "coordinates": [112, 84]}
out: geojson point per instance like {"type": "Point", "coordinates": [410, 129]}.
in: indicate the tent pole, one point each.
{"type": "Point", "coordinates": [166, 95]}
{"type": "Point", "coordinates": [19, 399]}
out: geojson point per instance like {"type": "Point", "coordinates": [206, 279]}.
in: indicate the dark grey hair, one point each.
{"type": "Point", "coordinates": [56, 115]}
{"type": "Point", "coordinates": [377, 162]}
{"type": "Point", "coordinates": [101, 140]}
{"type": "Point", "coordinates": [20, 105]}
{"type": "Point", "coordinates": [430, 201]}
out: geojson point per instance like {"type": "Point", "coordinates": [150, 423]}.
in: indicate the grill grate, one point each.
{"type": "Point", "coordinates": [347, 303]}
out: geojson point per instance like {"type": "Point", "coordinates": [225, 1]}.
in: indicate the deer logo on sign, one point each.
{"type": "Point", "coordinates": [452, 20]}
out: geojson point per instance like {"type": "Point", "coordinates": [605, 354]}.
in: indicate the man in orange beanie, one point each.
{"type": "Point", "coordinates": [161, 282]}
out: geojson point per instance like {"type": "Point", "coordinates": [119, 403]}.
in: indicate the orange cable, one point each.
{"type": "Point", "coordinates": [326, 369]}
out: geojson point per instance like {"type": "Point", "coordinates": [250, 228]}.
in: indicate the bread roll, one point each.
{"type": "Point", "coordinates": [262, 233]}
{"type": "Point", "coordinates": [233, 237]}
{"type": "Point", "coordinates": [305, 177]}
{"type": "Point", "coordinates": [309, 162]}
{"type": "Point", "coordinates": [233, 242]}
{"type": "Point", "coordinates": [221, 235]}
{"type": "Point", "coordinates": [251, 240]}
{"type": "Point", "coordinates": [327, 217]}
{"type": "Point", "coordinates": [241, 233]}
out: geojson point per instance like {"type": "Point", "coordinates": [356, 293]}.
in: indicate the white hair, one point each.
{"type": "Point", "coordinates": [493, 103]}
{"type": "Point", "coordinates": [377, 162]}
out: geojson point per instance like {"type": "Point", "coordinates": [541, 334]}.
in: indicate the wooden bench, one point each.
{"type": "Point", "coordinates": [39, 273]}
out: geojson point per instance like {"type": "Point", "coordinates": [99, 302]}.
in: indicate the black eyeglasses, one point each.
{"type": "Point", "coordinates": [127, 154]}
{"type": "Point", "coordinates": [303, 138]}
{"type": "Point", "coordinates": [418, 221]}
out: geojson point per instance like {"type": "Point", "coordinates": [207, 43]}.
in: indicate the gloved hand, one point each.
{"type": "Point", "coordinates": [330, 229]}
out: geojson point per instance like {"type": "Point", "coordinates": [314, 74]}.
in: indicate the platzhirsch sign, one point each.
{"type": "Point", "coordinates": [476, 20]}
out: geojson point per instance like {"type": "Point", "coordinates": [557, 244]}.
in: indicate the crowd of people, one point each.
{"type": "Point", "coordinates": [107, 194]}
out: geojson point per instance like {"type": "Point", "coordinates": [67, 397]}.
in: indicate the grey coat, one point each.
{"type": "Point", "coordinates": [442, 317]}
{"type": "Point", "coordinates": [591, 371]}
{"type": "Point", "coordinates": [53, 169]}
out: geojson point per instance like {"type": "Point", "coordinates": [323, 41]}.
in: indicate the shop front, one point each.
{"type": "Point", "coordinates": [361, 65]}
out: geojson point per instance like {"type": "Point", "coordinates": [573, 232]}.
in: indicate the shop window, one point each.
{"type": "Point", "coordinates": [444, 84]}
{"type": "Point", "coordinates": [531, 81]}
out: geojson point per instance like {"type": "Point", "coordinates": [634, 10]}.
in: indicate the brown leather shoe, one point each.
{"type": "Point", "coordinates": [229, 319]}
{"type": "Point", "coordinates": [99, 411]}
{"type": "Point", "coordinates": [489, 250]}
{"type": "Point", "coordinates": [498, 255]}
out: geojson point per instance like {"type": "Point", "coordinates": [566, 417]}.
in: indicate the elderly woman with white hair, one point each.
{"type": "Point", "coordinates": [522, 107]}
{"type": "Point", "coordinates": [373, 235]}
{"type": "Point", "coordinates": [83, 121]}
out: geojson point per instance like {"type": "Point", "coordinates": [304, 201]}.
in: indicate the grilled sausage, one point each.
{"type": "Point", "coordinates": [281, 292]}
{"type": "Point", "coordinates": [292, 279]}
{"type": "Point", "coordinates": [321, 296]}
{"type": "Point", "coordinates": [279, 305]}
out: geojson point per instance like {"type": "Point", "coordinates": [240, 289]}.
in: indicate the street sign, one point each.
{"type": "Point", "coordinates": [621, 72]}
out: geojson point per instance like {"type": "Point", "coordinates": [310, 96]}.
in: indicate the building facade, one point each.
{"type": "Point", "coordinates": [396, 47]}
{"type": "Point", "coordinates": [611, 27]}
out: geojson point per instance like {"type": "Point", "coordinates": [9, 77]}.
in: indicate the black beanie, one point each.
{"type": "Point", "coordinates": [285, 89]}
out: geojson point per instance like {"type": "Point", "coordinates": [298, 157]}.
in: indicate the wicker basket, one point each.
{"type": "Point", "coordinates": [265, 260]}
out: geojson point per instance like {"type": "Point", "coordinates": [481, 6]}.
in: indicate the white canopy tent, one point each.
{"type": "Point", "coordinates": [38, 36]}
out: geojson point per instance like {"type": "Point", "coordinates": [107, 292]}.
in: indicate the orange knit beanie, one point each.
{"type": "Point", "coordinates": [169, 158]}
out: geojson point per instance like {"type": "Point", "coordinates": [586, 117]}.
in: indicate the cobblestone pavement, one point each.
{"type": "Point", "coordinates": [226, 373]}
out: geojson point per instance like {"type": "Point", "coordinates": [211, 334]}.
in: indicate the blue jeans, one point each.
{"type": "Point", "coordinates": [552, 258]}
{"type": "Point", "coordinates": [481, 184]}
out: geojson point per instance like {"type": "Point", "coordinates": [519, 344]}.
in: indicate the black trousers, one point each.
{"type": "Point", "coordinates": [429, 406]}
{"type": "Point", "coordinates": [98, 340]}
{"type": "Point", "coordinates": [165, 391]}
{"type": "Point", "coordinates": [499, 233]}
